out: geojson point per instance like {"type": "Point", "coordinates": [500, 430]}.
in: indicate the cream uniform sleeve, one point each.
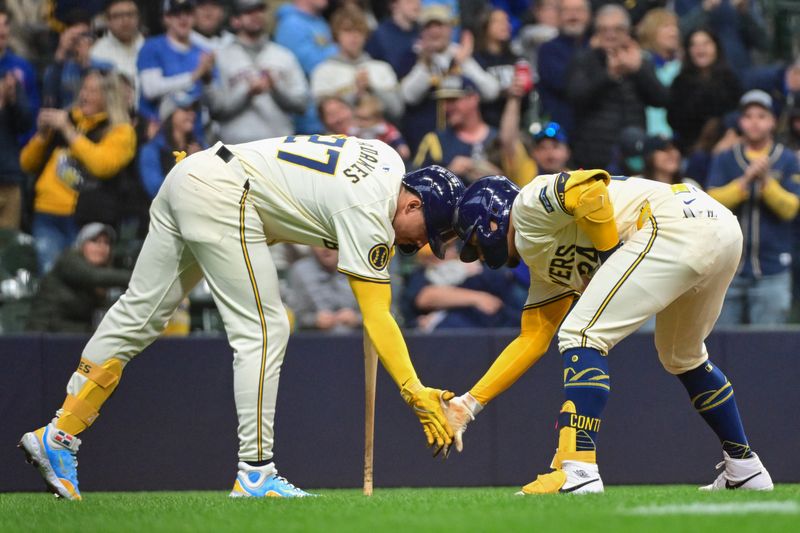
{"type": "Point", "coordinates": [365, 240]}
{"type": "Point", "coordinates": [538, 211]}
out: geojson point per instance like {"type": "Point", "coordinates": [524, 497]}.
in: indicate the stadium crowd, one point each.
{"type": "Point", "coordinates": [98, 96]}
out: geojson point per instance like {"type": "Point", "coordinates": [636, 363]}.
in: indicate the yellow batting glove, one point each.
{"type": "Point", "coordinates": [427, 405]}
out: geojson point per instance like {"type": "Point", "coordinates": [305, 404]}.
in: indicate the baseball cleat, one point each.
{"type": "Point", "coordinates": [263, 482]}
{"type": "Point", "coordinates": [53, 452]}
{"type": "Point", "coordinates": [746, 474]}
{"type": "Point", "coordinates": [574, 477]}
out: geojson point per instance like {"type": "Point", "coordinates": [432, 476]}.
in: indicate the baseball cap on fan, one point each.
{"type": "Point", "coordinates": [455, 87]}
{"type": "Point", "coordinates": [435, 13]}
{"type": "Point", "coordinates": [247, 6]}
{"type": "Point", "coordinates": [170, 7]}
{"type": "Point", "coordinates": [756, 97]}
{"type": "Point", "coordinates": [93, 230]}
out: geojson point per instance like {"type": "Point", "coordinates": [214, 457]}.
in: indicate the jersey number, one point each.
{"type": "Point", "coordinates": [326, 167]}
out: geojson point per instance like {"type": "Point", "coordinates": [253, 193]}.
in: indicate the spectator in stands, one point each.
{"type": "Point", "coordinates": [756, 179]}
{"type": "Point", "coordinates": [121, 44]}
{"type": "Point", "coordinates": [792, 130]}
{"type": "Point", "coordinates": [393, 40]}
{"type": "Point", "coordinates": [609, 86]}
{"type": "Point", "coordinates": [209, 26]}
{"type": "Point", "coordinates": [16, 119]}
{"type": "Point", "coordinates": [351, 73]}
{"type": "Point", "coordinates": [706, 88]}
{"type": "Point", "coordinates": [662, 161]}
{"type": "Point", "coordinates": [336, 116]}
{"type": "Point", "coordinates": [555, 56]}
{"type": "Point", "coordinates": [319, 295]}
{"type": "Point", "coordinates": [371, 124]}
{"type": "Point", "coordinates": [493, 54]}
{"type": "Point", "coordinates": [739, 31]}
{"type": "Point", "coordinates": [659, 36]}
{"type": "Point", "coordinates": [262, 81]}
{"type": "Point", "coordinates": [437, 57]}
{"type": "Point", "coordinates": [76, 155]}
{"type": "Point", "coordinates": [177, 116]}
{"type": "Point", "coordinates": [72, 60]}
{"type": "Point", "coordinates": [301, 28]}
{"type": "Point", "coordinates": [171, 62]}
{"type": "Point", "coordinates": [549, 154]}
{"type": "Point", "coordinates": [22, 70]}
{"type": "Point", "coordinates": [515, 159]}
{"type": "Point", "coordinates": [462, 145]}
{"type": "Point", "coordinates": [447, 293]}
{"type": "Point", "coordinates": [781, 81]}
{"type": "Point", "coordinates": [540, 25]}
{"type": "Point", "coordinates": [76, 288]}
{"type": "Point", "coordinates": [133, 217]}
{"type": "Point", "coordinates": [717, 136]}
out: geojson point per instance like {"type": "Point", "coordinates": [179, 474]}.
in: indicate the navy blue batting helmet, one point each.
{"type": "Point", "coordinates": [439, 189]}
{"type": "Point", "coordinates": [486, 201]}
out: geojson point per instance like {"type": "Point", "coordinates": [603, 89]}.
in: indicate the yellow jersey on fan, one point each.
{"type": "Point", "coordinates": [561, 257]}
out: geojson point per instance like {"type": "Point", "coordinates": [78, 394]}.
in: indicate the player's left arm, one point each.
{"type": "Point", "coordinates": [586, 197]}
{"type": "Point", "coordinates": [539, 324]}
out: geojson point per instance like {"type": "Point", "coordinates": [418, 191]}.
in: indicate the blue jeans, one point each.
{"type": "Point", "coordinates": [763, 301]}
{"type": "Point", "coordinates": [52, 234]}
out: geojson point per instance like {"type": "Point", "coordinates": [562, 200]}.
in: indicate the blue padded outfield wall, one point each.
{"type": "Point", "coordinates": [171, 424]}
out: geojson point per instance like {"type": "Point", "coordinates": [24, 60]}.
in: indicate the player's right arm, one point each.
{"type": "Point", "coordinates": [374, 299]}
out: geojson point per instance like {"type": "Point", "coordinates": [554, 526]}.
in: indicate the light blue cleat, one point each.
{"type": "Point", "coordinates": [53, 452]}
{"type": "Point", "coordinates": [263, 482]}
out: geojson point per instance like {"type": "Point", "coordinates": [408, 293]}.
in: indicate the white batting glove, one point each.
{"type": "Point", "coordinates": [459, 412]}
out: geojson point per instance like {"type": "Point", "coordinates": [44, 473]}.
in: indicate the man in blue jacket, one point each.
{"type": "Point", "coordinates": [759, 180]}
{"type": "Point", "coordinates": [555, 56]}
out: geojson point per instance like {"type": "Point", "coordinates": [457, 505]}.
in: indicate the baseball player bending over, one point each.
{"type": "Point", "coordinates": [649, 249]}
{"type": "Point", "coordinates": [214, 216]}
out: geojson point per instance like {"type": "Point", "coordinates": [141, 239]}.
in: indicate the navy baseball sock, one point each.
{"type": "Point", "coordinates": [587, 385]}
{"type": "Point", "coordinates": [712, 397]}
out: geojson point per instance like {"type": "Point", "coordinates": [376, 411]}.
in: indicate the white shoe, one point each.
{"type": "Point", "coordinates": [576, 477]}
{"type": "Point", "coordinates": [263, 482]}
{"type": "Point", "coordinates": [747, 474]}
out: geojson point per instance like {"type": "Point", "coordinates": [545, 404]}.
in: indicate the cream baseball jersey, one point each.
{"type": "Point", "coordinates": [332, 191]}
{"type": "Point", "coordinates": [561, 258]}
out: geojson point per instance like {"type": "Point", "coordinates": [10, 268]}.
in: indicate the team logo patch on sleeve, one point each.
{"type": "Point", "coordinates": [545, 201]}
{"type": "Point", "coordinates": [379, 256]}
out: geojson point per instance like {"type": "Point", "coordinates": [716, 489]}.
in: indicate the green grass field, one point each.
{"type": "Point", "coordinates": [646, 508]}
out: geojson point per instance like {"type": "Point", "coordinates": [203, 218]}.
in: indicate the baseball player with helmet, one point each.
{"type": "Point", "coordinates": [621, 250]}
{"type": "Point", "coordinates": [214, 216]}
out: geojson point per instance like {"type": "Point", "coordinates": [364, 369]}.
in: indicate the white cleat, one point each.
{"type": "Point", "coordinates": [263, 482]}
{"type": "Point", "coordinates": [746, 474]}
{"type": "Point", "coordinates": [575, 477]}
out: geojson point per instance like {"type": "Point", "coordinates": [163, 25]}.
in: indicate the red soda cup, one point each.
{"type": "Point", "coordinates": [522, 69]}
